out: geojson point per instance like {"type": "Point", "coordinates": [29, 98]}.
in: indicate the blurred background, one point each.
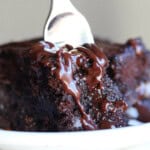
{"type": "Point", "coordinates": [116, 20]}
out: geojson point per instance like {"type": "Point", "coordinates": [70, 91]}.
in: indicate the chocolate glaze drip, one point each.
{"type": "Point", "coordinates": [65, 73]}
{"type": "Point", "coordinates": [99, 61]}
{"type": "Point", "coordinates": [68, 60]}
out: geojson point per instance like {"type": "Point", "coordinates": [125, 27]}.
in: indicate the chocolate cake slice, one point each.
{"type": "Point", "coordinates": [43, 88]}
{"type": "Point", "coordinates": [130, 69]}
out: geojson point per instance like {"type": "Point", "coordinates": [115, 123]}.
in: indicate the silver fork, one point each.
{"type": "Point", "coordinates": [66, 25]}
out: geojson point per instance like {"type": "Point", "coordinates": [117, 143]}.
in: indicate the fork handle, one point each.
{"type": "Point", "coordinates": [60, 6]}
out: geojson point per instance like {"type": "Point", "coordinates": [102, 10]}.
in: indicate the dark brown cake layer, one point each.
{"type": "Point", "coordinates": [43, 90]}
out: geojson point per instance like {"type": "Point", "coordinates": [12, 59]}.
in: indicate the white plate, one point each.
{"type": "Point", "coordinates": [129, 138]}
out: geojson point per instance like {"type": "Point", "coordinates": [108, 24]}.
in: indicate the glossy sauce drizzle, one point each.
{"type": "Point", "coordinates": [68, 62]}
{"type": "Point", "coordinates": [65, 72]}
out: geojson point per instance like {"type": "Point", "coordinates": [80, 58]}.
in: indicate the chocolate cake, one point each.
{"type": "Point", "coordinates": [130, 69]}
{"type": "Point", "coordinates": [43, 88]}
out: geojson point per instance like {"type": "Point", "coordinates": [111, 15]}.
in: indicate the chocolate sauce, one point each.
{"type": "Point", "coordinates": [99, 61]}
{"type": "Point", "coordinates": [64, 72]}
{"type": "Point", "coordinates": [66, 59]}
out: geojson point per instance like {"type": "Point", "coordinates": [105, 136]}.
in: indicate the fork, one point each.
{"type": "Point", "coordinates": [66, 25]}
